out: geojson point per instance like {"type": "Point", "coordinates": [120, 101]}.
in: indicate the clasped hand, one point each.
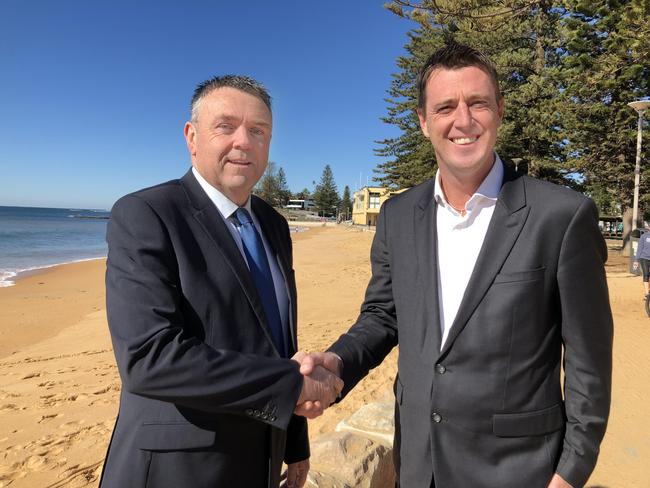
{"type": "Point", "coordinates": [322, 383]}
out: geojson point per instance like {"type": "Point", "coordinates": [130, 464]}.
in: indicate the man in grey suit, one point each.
{"type": "Point", "coordinates": [201, 302]}
{"type": "Point", "coordinates": [488, 281]}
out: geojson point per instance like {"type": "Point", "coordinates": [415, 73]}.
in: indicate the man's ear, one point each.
{"type": "Point", "coordinates": [502, 108]}
{"type": "Point", "coordinates": [190, 138]}
{"type": "Point", "coordinates": [423, 122]}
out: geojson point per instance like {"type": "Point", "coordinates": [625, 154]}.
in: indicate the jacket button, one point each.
{"type": "Point", "coordinates": [440, 369]}
{"type": "Point", "coordinates": [273, 418]}
{"type": "Point", "coordinates": [436, 417]}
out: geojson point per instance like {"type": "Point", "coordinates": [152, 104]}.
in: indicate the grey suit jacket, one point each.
{"type": "Point", "coordinates": [206, 400]}
{"type": "Point", "coordinates": [488, 410]}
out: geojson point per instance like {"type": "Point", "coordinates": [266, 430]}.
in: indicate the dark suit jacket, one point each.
{"type": "Point", "coordinates": [488, 410]}
{"type": "Point", "coordinates": [206, 400]}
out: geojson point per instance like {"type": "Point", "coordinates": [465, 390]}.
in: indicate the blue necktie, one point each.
{"type": "Point", "coordinates": [261, 273]}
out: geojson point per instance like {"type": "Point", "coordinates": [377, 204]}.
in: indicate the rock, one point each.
{"type": "Point", "coordinates": [375, 420]}
{"type": "Point", "coordinates": [351, 461]}
{"type": "Point", "coordinates": [316, 479]}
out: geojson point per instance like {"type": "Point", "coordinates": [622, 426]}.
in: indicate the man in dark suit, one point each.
{"type": "Point", "coordinates": [487, 280]}
{"type": "Point", "coordinates": [201, 302]}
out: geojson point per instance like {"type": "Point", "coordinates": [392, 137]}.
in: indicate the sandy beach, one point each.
{"type": "Point", "coordinates": [59, 385]}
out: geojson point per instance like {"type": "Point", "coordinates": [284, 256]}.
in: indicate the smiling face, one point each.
{"type": "Point", "coordinates": [461, 117]}
{"type": "Point", "coordinates": [229, 141]}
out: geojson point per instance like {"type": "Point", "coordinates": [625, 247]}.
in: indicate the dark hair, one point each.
{"type": "Point", "coordinates": [243, 83]}
{"type": "Point", "coordinates": [455, 56]}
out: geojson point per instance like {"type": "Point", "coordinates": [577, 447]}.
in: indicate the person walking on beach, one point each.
{"type": "Point", "coordinates": [201, 302]}
{"type": "Point", "coordinates": [488, 281]}
{"type": "Point", "coordinates": [642, 257]}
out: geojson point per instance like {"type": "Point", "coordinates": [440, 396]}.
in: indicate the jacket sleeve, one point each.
{"type": "Point", "coordinates": [158, 355]}
{"type": "Point", "coordinates": [374, 334]}
{"type": "Point", "coordinates": [587, 335]}
{"type": "Point", "coordinates": [297, 448]}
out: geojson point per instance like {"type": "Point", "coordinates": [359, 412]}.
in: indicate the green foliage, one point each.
{"type": "Point", "coordinates": [326, 195]}
{"type": "Point", "coordinates": [272, 187]}
{"type": "Point", "coordinates": [304, 194]}
{"type": "Point", "coordinates": [345, 207]}
{"type": "Point", "coordinates": [567, 69]}
{"type": "Point", "coordinates": [284, 194]}
{"type": "Point", "coordinates": [605, 67]}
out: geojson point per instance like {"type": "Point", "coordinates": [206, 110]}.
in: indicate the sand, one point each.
{"type": "Point", "coordinates": [59, 386]}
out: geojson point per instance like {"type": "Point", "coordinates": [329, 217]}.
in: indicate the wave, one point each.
{"type": "Point", "coordinates": [5, 278]}
{"type": "Point", "coordinates": [8, 278]}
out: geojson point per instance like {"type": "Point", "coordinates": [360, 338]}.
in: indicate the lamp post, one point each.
{"type": "Point", "coordinates": [640, 106]}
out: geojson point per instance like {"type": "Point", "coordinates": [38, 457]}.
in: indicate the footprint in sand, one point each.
{"type": "Point", "coordinates": [49, 417]}
{"type": "Point", "coordinates": [7, 394]}
{"type": "Point", "coordinates": [52, 400]}
{"type": "Point", "coordinates": [72, 423]}
{"type": "Point", "coordinates": [31, 375]}
{"type": "Point", "coordinates": [112, 386]}
{"type": "Point", "coordinates": [8, 474]}
{"type": "Point", "coordinates": [36, 462]}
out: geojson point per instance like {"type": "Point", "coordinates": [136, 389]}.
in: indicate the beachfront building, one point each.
{"type": "Point", "coordinates": [300, 204]}
{"type": "Point", "coordinates": [368, 201]}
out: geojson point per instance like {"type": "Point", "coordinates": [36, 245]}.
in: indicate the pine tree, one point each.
{"type": "Point", "coordinates": [304, 194]}
{"type": "Point", "coordinates": [326, 195]}
{"type": "Point", "coordinates": [521, 37]}
{"type": "Point", "coordinates": [284, 194]}
{"type": "Point", "coordinates": [345, 208]}
{"type": "Point", "coordinates": [272, 187]}
{"type": "Point", "coordinates": [605, 66]}
{"type": "Point", "coordinates": [567, 70]}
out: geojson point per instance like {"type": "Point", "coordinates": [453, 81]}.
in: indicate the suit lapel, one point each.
{"type": "Point", "coordinates": [424, 221]}
{"type": "Point", "coordinates": [507, 221]}
{"type": "Point", "coordinates": [212, 222]}
{"type": "Point", "coordinates": [279, 246]}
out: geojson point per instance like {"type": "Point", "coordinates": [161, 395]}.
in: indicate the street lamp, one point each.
{"type": "Point", "coordinates": [640, 106]}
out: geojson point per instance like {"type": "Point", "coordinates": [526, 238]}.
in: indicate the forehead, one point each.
{"type": "Point", "coordinates": [233, 102]}
{"type": "Point", "coordinates": [451, 83]}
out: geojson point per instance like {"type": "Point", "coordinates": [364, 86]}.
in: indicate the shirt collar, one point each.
{"type": "Point", "coordinates": [225, 206]}
{"type": "Point", "coordinates": [488, 189]}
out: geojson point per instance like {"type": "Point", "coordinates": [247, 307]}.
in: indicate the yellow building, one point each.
{"type": "Point", "coordinates": [368, 201]}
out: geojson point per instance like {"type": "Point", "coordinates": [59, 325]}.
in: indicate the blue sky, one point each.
{"type": "Point", "coordinates": [94, 94]}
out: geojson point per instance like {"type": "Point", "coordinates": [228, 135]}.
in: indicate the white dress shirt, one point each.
{"type": "Point", "coordinates": [227, 208]}
{"type": "Point", "coordinates": [460, 238]}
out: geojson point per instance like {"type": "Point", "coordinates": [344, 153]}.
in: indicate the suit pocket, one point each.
{"type": "Point", "coordinates": [538, 422]}
{"type": "Point", "coordinates": [525, 275]}
{"type": "Point", "coordinates": [173, 437]}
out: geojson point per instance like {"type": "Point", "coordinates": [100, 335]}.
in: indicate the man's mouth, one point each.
{"type": "Point", "coordinates": [462, 141]}
{"type": "Point", "coordinates": [238, 162]}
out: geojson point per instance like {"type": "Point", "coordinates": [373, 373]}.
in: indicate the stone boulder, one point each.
{"type": "Point", "coordinates": [346, 460]}
{"type": "Point", "coordinates": [374, 420]}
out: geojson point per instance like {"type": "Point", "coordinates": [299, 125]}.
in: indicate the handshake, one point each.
{"type": "Point", "coordinates": [322, 383]}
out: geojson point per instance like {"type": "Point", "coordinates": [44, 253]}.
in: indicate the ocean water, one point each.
{"type": "Point", "coordinates": [33, 238]}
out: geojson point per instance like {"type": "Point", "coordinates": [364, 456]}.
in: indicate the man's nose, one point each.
{"type": "Point", "coordinates": [242, 138]}
{"type": "Point", "coordinates": [463, 116]}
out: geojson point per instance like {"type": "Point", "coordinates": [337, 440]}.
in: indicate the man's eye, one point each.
{"type": "Point", "coordinates": [256, 131]}
{"type": "Point", "coordinates": [224, 126]}
{"type": "Point", "coordinates": [444, 110]}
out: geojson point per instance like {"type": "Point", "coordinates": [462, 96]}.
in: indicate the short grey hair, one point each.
{"type": "Point", "coordinates": [238, 82]}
